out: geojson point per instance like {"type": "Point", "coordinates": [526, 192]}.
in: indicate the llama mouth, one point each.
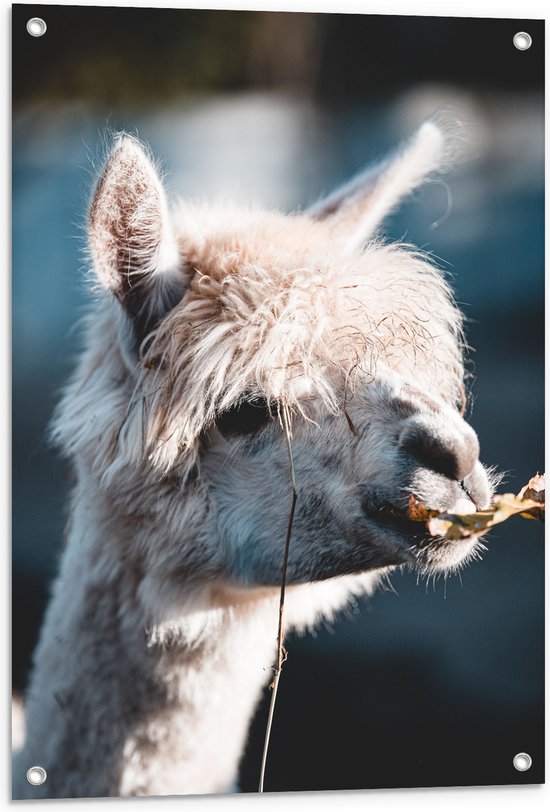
{"type": "Point", "coordinates": [399, 519]}
{"type": "Point", "coordinates": [408, 542]}
{"type": "Point", "coordinates": [389, 516]}
{"type": "Point", "coordinates": [412, 542]}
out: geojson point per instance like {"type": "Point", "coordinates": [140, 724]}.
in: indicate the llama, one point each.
{"type": "Point", "coordinates": [210, 321]}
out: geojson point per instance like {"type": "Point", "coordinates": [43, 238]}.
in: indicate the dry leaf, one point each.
{"type": "Point", "coordinates": [529, 503]}
{"type": "Point", "coordinates": [534, 490]}
{"type": "Point", "coordinates": [417, 512]}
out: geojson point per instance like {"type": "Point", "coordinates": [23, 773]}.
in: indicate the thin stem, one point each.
{"type": "Point", "coordinates": [281, 651]}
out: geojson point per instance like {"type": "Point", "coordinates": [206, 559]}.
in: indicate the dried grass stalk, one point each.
{"type": "Point", "coordinates": [284, 417]}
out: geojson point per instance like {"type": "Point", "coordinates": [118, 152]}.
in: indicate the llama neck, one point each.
{"type": "Point", "coordinates": [110, 709]}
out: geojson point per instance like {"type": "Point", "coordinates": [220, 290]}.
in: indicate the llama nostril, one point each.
{"type": "Point", "coordinates": [450, 454]}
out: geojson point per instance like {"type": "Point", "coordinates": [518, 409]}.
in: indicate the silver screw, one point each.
{"type": "Point", "coordinates": [36, 775]}
{"type": "Point", "coordinates": [522, 40]}
{"type": "Point", "coordinates": [522, 762]}
{"type": "Point", "coordinates": [36, 27]}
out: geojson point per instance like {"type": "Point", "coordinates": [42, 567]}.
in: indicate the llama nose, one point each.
{"type": "Point", "coordinates": [445, 449]}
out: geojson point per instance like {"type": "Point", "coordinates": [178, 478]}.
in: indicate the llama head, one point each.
{"type": "Point", "coordinates": [216, 319]}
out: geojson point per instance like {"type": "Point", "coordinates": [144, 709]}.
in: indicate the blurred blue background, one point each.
{"type": "Point", "coordinates": [430, 684]}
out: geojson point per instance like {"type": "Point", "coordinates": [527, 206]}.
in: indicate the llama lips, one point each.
{"type": "Point", "coordinates": [417, 515]}
{"type": "Point", "coordinates": [462, 507]}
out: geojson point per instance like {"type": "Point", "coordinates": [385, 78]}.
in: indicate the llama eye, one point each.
{"type": "Point", "coordinates": [245, 417]}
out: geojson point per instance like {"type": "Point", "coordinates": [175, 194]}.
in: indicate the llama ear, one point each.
{"type": "Point", "coordinates": [134, 251]}
{"type": "Point", "coordinates": [356, 210]}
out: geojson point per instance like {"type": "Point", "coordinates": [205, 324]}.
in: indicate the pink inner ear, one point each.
{"type": "Point", "coordinates": [134, 252]}
{"type": "Point", "coordinates": [126, 219]}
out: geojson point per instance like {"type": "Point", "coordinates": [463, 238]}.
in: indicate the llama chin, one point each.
{"type": "Point", "coordinates": [209, 321]}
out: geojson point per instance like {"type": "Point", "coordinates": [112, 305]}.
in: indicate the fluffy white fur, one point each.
{"type": "Point", "coordinates": [161, 629]}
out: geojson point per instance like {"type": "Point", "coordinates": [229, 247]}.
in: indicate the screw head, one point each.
{"type": "Point", "coordinates": [36, 775]}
